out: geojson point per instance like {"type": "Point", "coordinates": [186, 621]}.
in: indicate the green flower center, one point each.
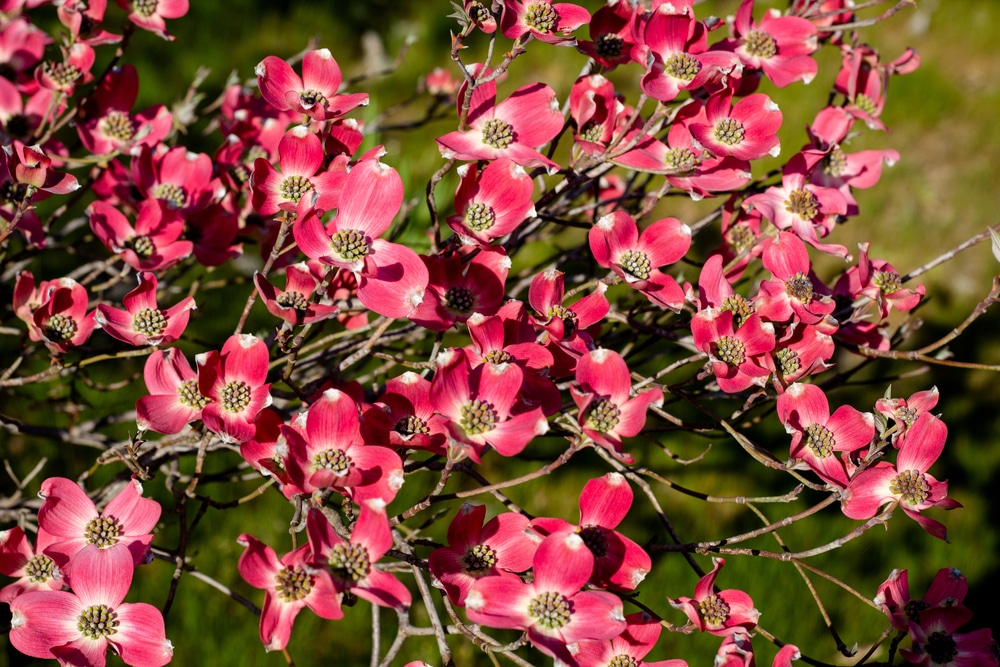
{"type": "Point", "coordinates": [144, 7]}
{"type": "Point", "coordinates": [498, 134]}
{"type": "Point", "coordinates": [799, 287]}
{"type": "Point", "coordinates": [566, 315]}
{"type": "Point", "coordinates": [117, 125]}
{"type": "Point", "coordinates": [604, 416]}
{"type": "Point", "coordinates": [293, 583]}
{"type": "Point", "coordinates": [714, 611]}
{"type": "Point", "coordinates": [479, 560]}
{"type": "Point", "coordinates": [730, 350]}
{"type": "Point", "coordinates": [906, 414]}
{"type": "Point", "coordinates": [40, 568]}
{"type": "Point", "coordinates": [820, 440]}
{"type": "Point", "coordinates": [478, 417]}
{"type": "Point", "coordinates": [188, 395]}
{"type": "Point", "coordinates": [171, 193]}
{"type": "Point", "coordinates": [592, 132]}
{"type": "Point", "coordinates": [911, 487]}
{"type": "Point", "coordinates": [149, 322]}
{"type": "Point", "coordinates": [788, 361]}
{"type": "Point", "coordinates": [334, 460]}
{"type": "Point", "coordinates": [479, 217]}
{"type": "Point", "coordinates": [681, 160]}
{"type": "Point", "coordinates": [236, 396]}
{"type": "Point", "coordinates": [635, 263]}
{"type": "Point", "coordinates": [141, 245]}
{"type": "Point", "coordinates": [63, 74]}
{"type": "Point", "coordinates": [102, 531]}
{"type": "Point", "coordinates": [541, 17]}
{"type": "Point", "coordinates": [729, 131]}
{"type": "Point", "coordinates": [97, 621]}
{"type": "Point", "coordinates": [941, 648]}
{"type": "Point", "coordinates": [682, 66]}
{"type": "Point", "coordinates": [739, 307]}
{"type": "Point", "coordinates": [552, 610]}
{"type": "Point", "coordinates": [866, 104]}
{"type": "Point", "coordinates": [459, 299]}
{"type": "Point", "coordinates": [350, 562]}
{"type": "Point", "coordinates": [836, 163]}
{"type": "Point", "coordinates": [60, 328]}
{"type": "Point", "coordinates": [310, 98]}
{"type": "Point", "coordinates": [350, 244]}
{"type": "Point", "coordinates": [498, 357]}
{"type": "Point", "coordinates": [293, 300]}
{"type": "Point", "coordinates": [802, 203]}
{"type": "Point", "coordinates": [609, 45]}
{"type": "Point", "coordinates": [479, 13]}
{"type": "Point", "coordinates": [411, 425]}
{"type": "Point", "coordinates": [741, 238]}
{"type": "Point", "coordinates": [887, 281]}
{"type": "Point", "coordinates": [759, 44]}
{"type": "Point", "coordinates": [293, 187]}
{"type": "Point", "coordinates": [596, 540]}
{"type": "Point", "coordinates": [622, 660]}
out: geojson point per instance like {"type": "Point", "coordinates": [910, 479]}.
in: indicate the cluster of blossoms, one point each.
{"type": "Point", "coordinates": [482, 354]}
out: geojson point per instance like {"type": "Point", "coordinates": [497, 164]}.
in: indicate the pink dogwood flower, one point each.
{"type": "Point", "coordinates": [296, 304]}
{"type": "Point", "coordinates": [109, 124]}
{"type": "Point", "coordinates": [491, 203]}
{"type": "Point", "coordinates": [553, 609]}
{"type": "Point", "coordinates": [32, 569]}
{"type": "Point", "coordinates": [150, 15]}
{"type": "Point", "coordinates": [77, 628]}
{"type": "Point", "coordinates": [315, 93]}
{"type": "Point", "coordinates": [61, 319]}
{"type": "Point", "coordinates": [947, 590]}
{"type": "Point", "coordinates": [142, 322]}
{"type": "Point", "coordinates": [619, 563]}
{"type": "Point", "coordinates": [779, 45]}
{"type": "Point", "coordinates": [174, 399]}
{"type": "Point", "coordinates": [937, 644]}
{"type": "Point", "coordinates": [736, 355]}
{"type": "Point", "coordinates": [154, 242]}
{"type": "Point", "coordinates": [498, 548]}
{"type": "Point", "coordinates": [628, 648]}
{"type": "Point", "coordinates": [602, 393]}
{"type": "Point", "coordinates": [233, 381]}
{"type": "Point", "coordinates": [289, 584]}
{"type": "Point", "coordinates": [747, 130]}
{"type": "Point", "coordinates": [543, 20]}
{"type": "Point", "coordinates": [719, 613]}
{"type": "Point", "coordinates": [119, 536]}
{"type": "Point", "coordinates": [300, 154]}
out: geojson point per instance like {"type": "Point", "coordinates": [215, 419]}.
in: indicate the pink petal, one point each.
{"type": "Point", "coordinates": [137, 515]}
{"type": "Point", "coordinates": [43, 619]}
{"type": "Point", "coordinates": [563, 564]}
{"type": "Point", "coordinates": [141, 639]}
{"type": "Point", "coordinates": [605, 501]}
{"type": "Point", "coordinates": [66, 510]}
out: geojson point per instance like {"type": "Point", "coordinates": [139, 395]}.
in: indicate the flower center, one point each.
{"type": "Point", "coordinates": [941, 648]}
{"type": "Point", "coordinates": [740, 238]}
{"type": "Point", "coordinates": [730, 350]}
{"type": "Point", "coordinates": [97, 621]}
{"type": "Point", "coordinates": [887, 281]}
{"type": "Point", "coordinates": [479, 217]}
{"type": "Point", "coordinates": [799, 287]}
{"type": "Point", "coordinates": [603, 417]}
{"type": "Point", "coordinates": [595, 539]}
{"type": "Point", "coordinates": [59, 328]}
{"type": "Point", "coordinates": [836, 163]}
{"type": "Point", "coordinates": [293, 187]}
{"type": "Point", "coordinates": [682, 66]}
{"type": "Point", "coordinates": [144, 7]}
{"type": "Point", "coordinates": [913, 608]}
{"type": "Point", "coordinates": [911, 487]}
{"type": "Point", "coordinates": [171, 193]}
{"type": "Point", "coordinates": [350, 562]}
{"type": "Point", "coordinates": [498, 357]}
{"type": "Point", "coordinates": [759, 44]}
{"type": "Point", "coordinates": [149, 322]}
{"type": "Point", "coordinates": [63, 74]}
{"type": "Point", "coordinates": [907, 415]}
{"type": "Point", "coordinates": [592, 132]}
{"type": "Point", "coordinates": [236, 396]}
{"type": "Point", "coordinates": [40, 568]}
{"type": "Point", "coordinates": [541, 17]}
{"type": "Point", "coordinates": [498, 133]}
{"type": "Point", "coordinates": [714, 610]}
{"type": "Point", "coordinates": [334, 460]}
{"type": "Point", "coordinates": [310, 98]}
{"type": "Point", "coordinates": [141, 245]}
{"type": "Point", "coordinates": [411, 425]}
{"type": "Point", "coordinates": [609, 45]}
{"type": "Point", "coordinates": [479, 13]}
{"type": "Point", "coordinates": [293, 583]}
{"type": "Point", "coordinates": [117, 125]}
{"type": "Point", "coordinates": [293, 300]}
{"type": "Point", "coordinates": [635, 263]}
{"type": "Point", "coordinates": [102, 531]}
{"type": "Point", "coordinates": [803, 204]}
{"type": "Point", "coordinates": [739, 307]}
{"type": "Point", "coordinates": [459, 299]}
{"type": "Point", "coordinates": [566, 315]}
{"type": "Point", "coordinates": [681, 160]}
{"type": "Point", "coordinates": [866, 104]}
{"type": "Point", "coordinates": [552, 610]}
{"type": "Point", "coordinates": [788, 360]}
{"type": "Point", "coordinates": [623, 660]}
{"type": "Point", "coordinates": [188, 395]}
{"type": "Point", "coordinates": [350, 244]}
{"type": "Point", "coordinates": [479, 560]}
{"type": "Point", "coordinates": [729, 131]}
{"type": "Point", "coordinates": [820, 440]}
{"type": "Point", "coordinates": [478, 417]}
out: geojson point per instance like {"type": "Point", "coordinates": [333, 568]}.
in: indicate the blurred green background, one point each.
{"type": "Point", "coordinates": [944, 190]}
